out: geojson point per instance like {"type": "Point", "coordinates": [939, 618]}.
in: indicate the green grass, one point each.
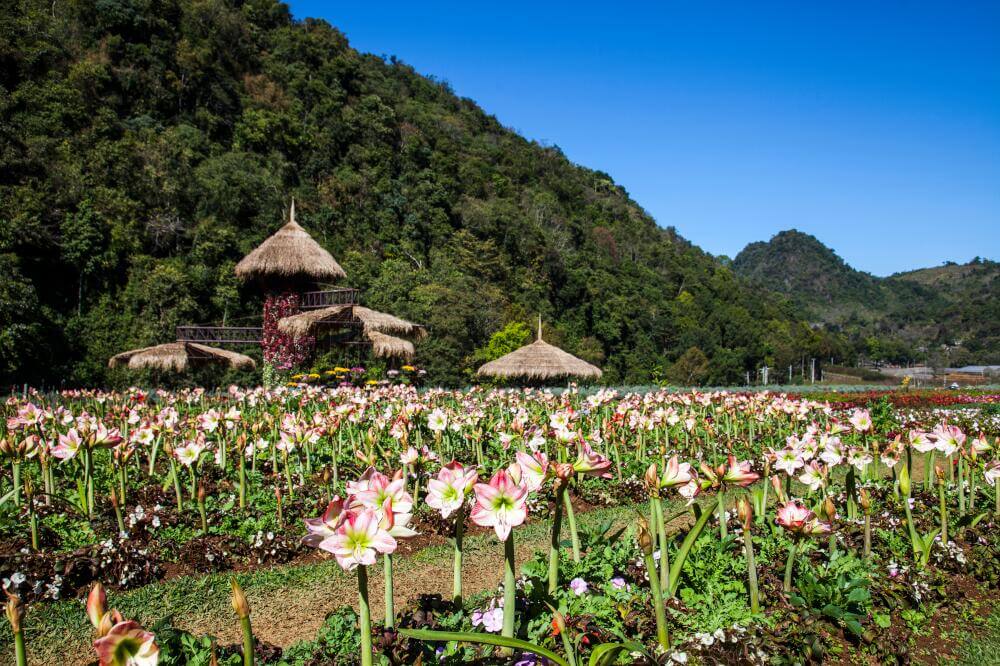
{"type": "Point", "coordinates": [51, 626]}
{"type": "Point", "coordinates": [983, 648]}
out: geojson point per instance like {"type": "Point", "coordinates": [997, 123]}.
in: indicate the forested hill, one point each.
{"type": "Point", "coordinates": [147, 145]}
{"type": "Point", "coordinates": [955, 305]}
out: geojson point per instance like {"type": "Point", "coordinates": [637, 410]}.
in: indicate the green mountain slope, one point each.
{"type": "Point", "coordinates": [148, 145]}
{"type": "Point", "coordinates": [911, 315]}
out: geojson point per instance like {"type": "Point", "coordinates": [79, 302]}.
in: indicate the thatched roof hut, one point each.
{"type": "Point", "coordinates": [179, 356]}
{"type": "Point", "coordinates": [290, 255]}
{"type": "Point", "coordinates": [539, 361]}
{"type": "Point", "coordinates": [388, 346]}
{"type": "Point", "coordinates": [307, 323]}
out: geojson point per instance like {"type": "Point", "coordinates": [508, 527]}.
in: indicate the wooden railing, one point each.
{"type": "Point", "coordinates": [313, 300]}
{"type": "Point", "coordinates": [220, 335]}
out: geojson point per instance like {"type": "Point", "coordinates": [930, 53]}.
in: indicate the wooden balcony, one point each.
{"type": "Point", "coordinates": [220, 335]}
{"type": "Point", "coordinates": [313, 300]}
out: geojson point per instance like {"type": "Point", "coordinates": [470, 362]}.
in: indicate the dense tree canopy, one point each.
{"type": "Point", "coordinates": [147, 145]}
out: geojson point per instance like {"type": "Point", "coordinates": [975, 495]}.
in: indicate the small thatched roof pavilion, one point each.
{"type": "Point", "coordinates": [539, 361]}
{"type": "Point", "coordinates": [378, 328]}
{"type": "Point", "coordinates": [290, 255]}
{"type": "Point", "coordinates": [179, 356]}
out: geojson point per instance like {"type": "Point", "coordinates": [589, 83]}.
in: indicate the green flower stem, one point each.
{"type": "Point", "coordinates": [390, 607]}
{"type": "Point", "coordinates": [364, 616]}
{"type": "Point", "coordinates": [868, 534]}
{"type": "Point", "coordinates": [456, 587]}
{"type": "Point", "coordinates": [509, 589]}
{"type": "Point", "coordinates": [961, 486]}
{"type": "Point", "coordinates": [723, 529]}
{"type": "Point", "coordinates": [943, 510]}
{"type": "Point", "coordinates": [789, 566]}
{"type": "Point", "coordinates": [243, 480]}
{"type": "Point", "coordinates": [571, 518]}
{"type": "Point", "coordinates": [20, 656]}
{"type": "Point", "coordinates": [661, 536]}
{"type": "Point", "coordinates": [16, 471]}
{"type": "Point", "coordinates": [972, 489]}
{"type": "Point", "coordinates": [929, 468]}
{"type": "Point", "coordinates": [152, 456]}
{"type": "Point", "coordinates": [852, 507]}
{"type": "Point", "coordinates": [248, 651]}
{"type": "Point", "coordinates": [554, 543]}
{"type": "Point", "coordinates": [662, 635]}
{"type": "Point", "coordinates": [751, 572]}
{"type": "Point", "coordinates": [177, 484]}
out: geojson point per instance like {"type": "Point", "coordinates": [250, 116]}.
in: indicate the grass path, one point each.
{"type": "Point", "coordinates": [289, 603]}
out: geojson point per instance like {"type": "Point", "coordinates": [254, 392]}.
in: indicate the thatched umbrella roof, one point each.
{"type": "Point", "coordinates": [306, 323]}
{"type": "Point", "coordinates": [290, 254]}
{"type": "Point", "coordinates": [388, 346]}
{"type": "Point", "coordinates": [179, 356]}
{"type": "Point", "coordinates": [539, 361]}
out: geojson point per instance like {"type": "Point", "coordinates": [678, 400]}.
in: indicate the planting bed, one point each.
{"type": "Point", "coordinates": [496, 527]}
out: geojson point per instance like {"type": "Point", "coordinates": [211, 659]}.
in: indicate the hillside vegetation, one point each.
{"type": "Point", "coordinates": [148, 145]}
{"type": "Point", "coordinates": [907, 316]}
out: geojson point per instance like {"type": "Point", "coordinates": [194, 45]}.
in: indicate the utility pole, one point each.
{"type": "Point", "coordinates": [764, 370]}
{"type": "Point", "coordinates": [812, 371]}
{"type": "Point", "coordinates": [789, 373]}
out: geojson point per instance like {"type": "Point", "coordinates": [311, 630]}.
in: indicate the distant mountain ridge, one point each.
{"type": "Point", "coordinates": [954, 305]}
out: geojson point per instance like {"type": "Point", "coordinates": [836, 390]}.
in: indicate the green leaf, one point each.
{"type": "Point", "coordinates": [605, 653]}
{"type": "Point", "coordinates": [483, 639]}
{"type": "Point", "coordinates": [678, 563]}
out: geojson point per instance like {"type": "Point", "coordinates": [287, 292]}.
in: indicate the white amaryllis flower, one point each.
{"type": "Point", "coordinates": [812, 476]}
{"type": "Point", "coordinates": [358, 538]}
{"type": "Point", "coordinates": [500, 504]}
{"type": "Point", "coordinates": [188, 454]}
{"type": "Point", "coordinates": [437, 421]}
{"type": "Point", "coordinates": [447, 492]}
{"type": "Point", "coordinates": [788, 461]}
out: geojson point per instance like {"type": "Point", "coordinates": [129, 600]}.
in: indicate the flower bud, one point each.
{"type": "Point", "coordinates": [744, 510]}
{"type": "Point", "coordinates": [652, 480]}
{"type": "Point", "coordinates": [938, 472]}
{"type": "Point", "coordinates": [645, 538]}
{"type": "Point", "coordinates": [904, 481]}
{"type": "Point", "coordinates": [239, 600]}
{"type": "Point", "coordinates": [97, 601]}
{"type": "Point", "coordinates": [829, 509]}
{"type": "Point", "coordinates": [864, 499]}
{"type": "Point", "coordinates": [201, 493]}
{"type": "Point", "coordinates": [14, 610]}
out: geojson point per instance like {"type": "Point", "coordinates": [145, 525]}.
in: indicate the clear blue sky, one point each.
{"type": "Point", "coordinates": [874, 126]}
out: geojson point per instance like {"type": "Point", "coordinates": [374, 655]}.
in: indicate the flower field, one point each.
{"type": "Point", "coordinates": [497, 526]}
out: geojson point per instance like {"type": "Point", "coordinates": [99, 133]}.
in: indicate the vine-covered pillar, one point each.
{"type": "Point", "coordinates": [282, 353]}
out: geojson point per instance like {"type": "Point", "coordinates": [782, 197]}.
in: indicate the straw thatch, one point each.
{"type": "Point", "coordinates": [539, 361]}
{"type": "Point", "coordinates": [304, 323]}
{"type": "Point", "coordinates": [290, 254]}
{"type": "Point", "coordinates": [178, 357]}
{"type": "Point", "coordinates": [372, 320]}
{"type": "Point", "coordinates": [307, 323]}
{"type": "Point", "coordinates": [388, 346]}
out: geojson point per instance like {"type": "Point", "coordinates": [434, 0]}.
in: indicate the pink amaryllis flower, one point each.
{"type": "Point", "coordinates": [592, 464]}
{"type": "Point", "coordinates": [68, 446]}
{"type": "Point", "coordinates": [534, 468]}
{"type": "Point", "coordinates": [358, 539]}
{"type": "Point", "coordinates": [373, 491]}
{"type": "Point", "coordinates": [797, 519]}
{"type": "Point", "coordinates": [326, 525]}
{"type": "Point", "coordinates": [127, 644]}
{"type": "Point", "coordinates": [948, 438]}
{"type": "Point", "coordinates": [992, 473]}
{"type": "Point", "coordinates": [674, 474]}
{"type": "Point", "coordinates": [739, 473]}
{"type": "Point", "coordinates": [500, 504]}
{"type": "Point", "coordinates": [861, 419]}
{"type": "Point", "coordinates": [447, 492]}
